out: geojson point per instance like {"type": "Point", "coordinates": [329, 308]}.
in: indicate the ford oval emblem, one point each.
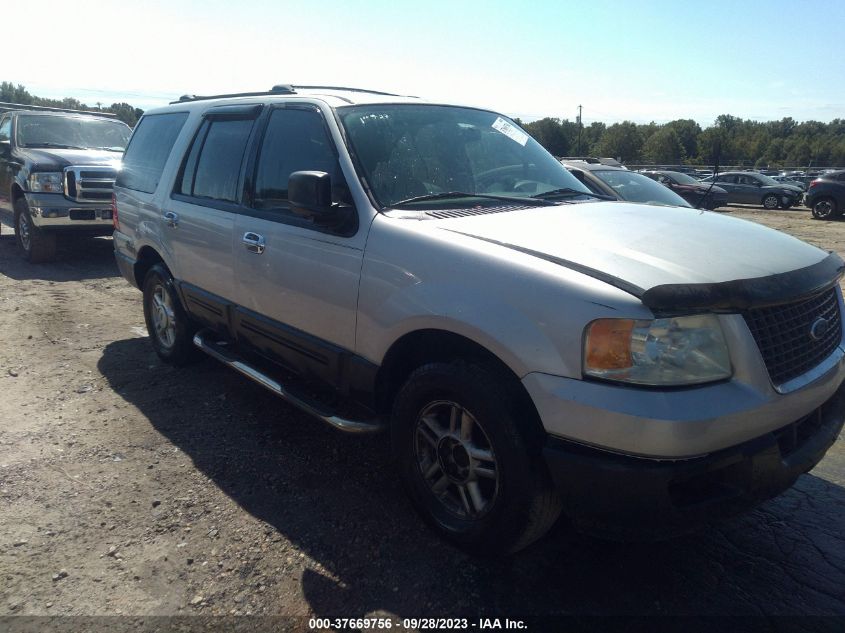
{"type": "Point", "coordinates": [819, 328]}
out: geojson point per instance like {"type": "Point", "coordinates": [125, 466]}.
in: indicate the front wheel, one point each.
{"type": "Point", "coordinates": [469, 468]}
{"type": "Point", "coordinates": [34, 245]}
{"type": "Point", "coordinates": [771, 202]}
{"type": "Point", "coordinates": [825, 209]}
{"type": "Point", "coordinates": [171, 330]}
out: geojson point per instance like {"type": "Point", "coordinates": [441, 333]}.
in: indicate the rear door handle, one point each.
{"type": "Point", "coordinates": [172, 219]}
{"type": "Point", "coordinates": [254, 242]}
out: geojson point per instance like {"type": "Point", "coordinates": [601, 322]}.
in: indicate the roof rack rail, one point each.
{"type": "Point", "coordinates": [280, 89]}
{"type": "Point", "coordinates": [364, 90]}
{"type": "Point", "coordinates": [6, 107]}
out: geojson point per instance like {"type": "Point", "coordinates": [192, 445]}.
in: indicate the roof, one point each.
{"type": "Point", "coordinates": [334, 96]}
{"type": "Point", "coordinates": [33, 109]}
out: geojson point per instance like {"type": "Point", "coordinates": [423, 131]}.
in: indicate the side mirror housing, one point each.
{"type": "Point", "coordinates": [310, 195]}
{"type": "Point", "coordinates": [5, 147]}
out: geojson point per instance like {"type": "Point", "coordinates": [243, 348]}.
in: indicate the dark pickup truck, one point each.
{"type": "Point", "coordinates": [57, 171]}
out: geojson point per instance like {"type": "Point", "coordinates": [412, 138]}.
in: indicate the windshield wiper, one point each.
{"type": "Point", "coordinates": [53, 145]}
{"type": "Point", "coordinates": [569, 191]}
{"type": "Point", "coordinates": [444, 195]}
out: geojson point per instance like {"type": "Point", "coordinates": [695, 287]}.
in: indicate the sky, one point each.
{"type": "Point", "coordinates": [639, 60]}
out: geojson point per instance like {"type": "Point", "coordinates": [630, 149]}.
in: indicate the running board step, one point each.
{"type": "Point", "coordinates": [222, 352]}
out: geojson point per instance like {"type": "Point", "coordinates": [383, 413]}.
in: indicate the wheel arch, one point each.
{"type": "Point", "coordinates": [17, 193]}
{"type": "Point", "coordinates": [420, 347]}
{"type": "Point", "coordinates": [146, 259]}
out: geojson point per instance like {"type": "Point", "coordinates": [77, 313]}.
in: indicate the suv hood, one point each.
{"type": "Point", "coordinates": [638, 247]}
{"type": "Point", "coordinates": [57, 159]}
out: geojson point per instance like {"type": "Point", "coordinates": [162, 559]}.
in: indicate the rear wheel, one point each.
{"type": "Point", "coordinates": [34, 245]}
{"type": "Point", "coordinates": [469, 468]}
{"type": "Point", "coordinates": [771, 202]}
{"type": "Point", "coordinates": [825, 209]}
{"type": "Point", "coordinates": [171, 330]}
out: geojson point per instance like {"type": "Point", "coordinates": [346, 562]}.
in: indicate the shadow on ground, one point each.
{"type": "Point", "coordinates": [334, 497]}
{"type": "Point", "coordinates": [78, 258]}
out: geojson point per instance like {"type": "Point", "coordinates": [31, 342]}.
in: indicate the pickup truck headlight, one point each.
{"type": "Point", "coordinates": [46, 182]}
{"type": "Point", "coordinates": [684, 350]}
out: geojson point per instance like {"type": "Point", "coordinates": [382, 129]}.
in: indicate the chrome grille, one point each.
{"type": "Point", "coordinates": [783, 334]}
{"type": "Point", "coordinates": [89, 184]}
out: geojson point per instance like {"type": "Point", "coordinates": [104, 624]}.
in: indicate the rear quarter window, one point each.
{"type": "Point", "coordinates": [148, 151]}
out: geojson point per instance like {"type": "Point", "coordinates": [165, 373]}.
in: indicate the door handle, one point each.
{"type": "Point", "coordinates": [254, 242]}
{"type": "Point", "coordinates": [172, 219]}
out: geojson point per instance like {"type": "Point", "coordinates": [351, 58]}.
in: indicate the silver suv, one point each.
{"type": "Point", "coordinates": [430, 270]}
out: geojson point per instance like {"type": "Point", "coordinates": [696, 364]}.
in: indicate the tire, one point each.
{"type": "Point", "coordinates": [786, 206]}
{"type": "Point", "coordinates": [770, 202]}
{"type": "Point", "coordinates": [472, 473]}
{"type": "Point", "coordinates": [825, 208]}
{"type": "Point", "coordinates": [171, 330]}
{"type": "Point", "coordinates": [34, 245]}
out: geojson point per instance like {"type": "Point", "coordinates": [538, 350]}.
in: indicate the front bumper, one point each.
{"type": "Point", "coordinates": [54, 212]}
{"type": "Point", "coordinates": [624, 497]}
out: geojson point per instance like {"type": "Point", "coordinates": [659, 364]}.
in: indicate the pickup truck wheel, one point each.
{"type": "Point", "coordinates": [466, 466]}
{"type": "Point", "coordinates": [35, 245]}
{"type": "Point", "coordinates": [171, 330]}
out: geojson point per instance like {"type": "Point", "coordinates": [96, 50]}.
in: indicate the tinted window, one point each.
{"type": "Point", "coordinates": [148, 150]}
{"type": "Point", "coordinates": [296, 140]}
{"type": "Point", "coordinates": [214, 163]}
{"type": "Point", "coordinates": [730, 179]}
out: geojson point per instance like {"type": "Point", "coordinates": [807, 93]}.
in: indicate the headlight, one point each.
{"type": "Point", "coordinates": [46, 182]}
{"type": "Point", "coordinates": [678, 351]}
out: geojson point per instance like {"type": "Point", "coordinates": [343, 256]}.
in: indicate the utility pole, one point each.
{"type": "Point", "coordinates": [580, 125]}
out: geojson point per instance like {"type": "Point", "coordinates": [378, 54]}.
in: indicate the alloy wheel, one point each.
{"type": "Point", "coordinates": [456, 459]}
{"type": "Point", "coordinates": [163, 316]}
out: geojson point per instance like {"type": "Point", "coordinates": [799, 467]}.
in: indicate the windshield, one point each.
{"type": "Point", "coordinates": [636, 187]}
{"type": "Point", "coordinates": [681, 178]}
{"type": "Point", "coordinates": [72, 132]}
{"type": "Point", "coordinates": [409, 151]}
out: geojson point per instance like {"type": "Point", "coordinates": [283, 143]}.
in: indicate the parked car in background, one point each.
{"type": "Point", "coordinates": [749, 187]}
{"type": "Point", "coordinates": [623, 184]}
{"type": "Point", "coordinates": [790, 180]}
{"type": "Point", "coordinates": [826, 196]}
{"type": "Point", "coordinates": [57, 170]}
{"type": "Point", "coordinates": [697, 194]}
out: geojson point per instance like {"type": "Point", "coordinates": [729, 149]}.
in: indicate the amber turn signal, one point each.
{"type": "Point", "coordinates": [608, 344]}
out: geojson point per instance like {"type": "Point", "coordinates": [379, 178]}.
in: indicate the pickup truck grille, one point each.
{"type": "Point", "coordinates": [89, 184]}
{"type": "Point", "coordinates": [783, 334]}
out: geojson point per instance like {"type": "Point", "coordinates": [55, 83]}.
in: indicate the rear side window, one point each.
{"type": "Point", "coordinates": [213, 166]}
{"type": "Point", "coordinates": [148, 150]}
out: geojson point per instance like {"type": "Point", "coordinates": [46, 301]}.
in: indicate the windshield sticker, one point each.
{"type": "Point", "coordinates": [512, 132]}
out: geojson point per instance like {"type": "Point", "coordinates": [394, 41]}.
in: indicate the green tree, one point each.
{"type": "Point", "coordinates": [687, 131]}
{"type": "Point", "coordinates": [550, 134]}
{"type": "Point", "coordinates": [663, 147]}
{"type": "Point", "coordinates": [622, 141]}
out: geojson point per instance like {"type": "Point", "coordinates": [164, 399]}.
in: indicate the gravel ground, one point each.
{"type": "Point", "coordinates": [129, 487]}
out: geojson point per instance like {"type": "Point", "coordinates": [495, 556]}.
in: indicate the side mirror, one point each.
{"type": "Point", "coordinates": [5, 147]}
{"type": "Point", "coordinates": [310, 195]}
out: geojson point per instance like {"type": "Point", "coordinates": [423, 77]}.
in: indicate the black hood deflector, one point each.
{"type": "Point", "coordinates": [742, 294]}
